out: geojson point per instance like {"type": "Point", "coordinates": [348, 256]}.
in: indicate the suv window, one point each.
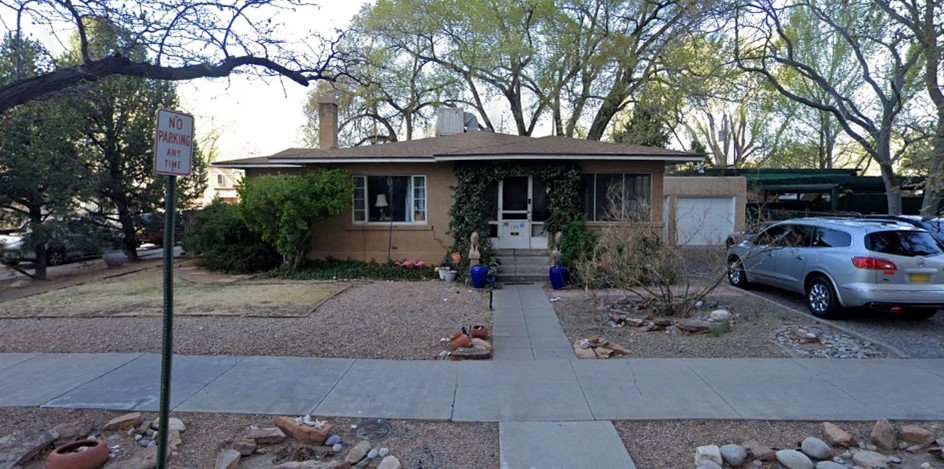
{"type": "Point", "coordinates": [830, 238]}
{"type": "Point", "coordinates": [770, 235]}
{"type": "Point", "coordinates": [902, 243]}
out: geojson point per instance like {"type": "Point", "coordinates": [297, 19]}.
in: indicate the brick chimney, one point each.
{"type": "Point", "coordinates": [327, 121]}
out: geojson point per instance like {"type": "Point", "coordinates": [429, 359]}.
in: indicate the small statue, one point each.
{"type": "Point", "coordinates": [474, 255]}
{"type": "Point", "coordinates": [555, 251]}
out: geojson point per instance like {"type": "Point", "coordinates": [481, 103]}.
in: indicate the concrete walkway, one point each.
{"type": "Point", "coordinates": [546, 402]}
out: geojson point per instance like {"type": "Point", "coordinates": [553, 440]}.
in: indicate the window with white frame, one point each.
{"type": "Point", "coordinates": [616, 196]}
{"type": "Point", "coordinates": [385, 199]}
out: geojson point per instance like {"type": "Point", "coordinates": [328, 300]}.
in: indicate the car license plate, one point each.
{"type": "Point", "coordinates": [920, 278]}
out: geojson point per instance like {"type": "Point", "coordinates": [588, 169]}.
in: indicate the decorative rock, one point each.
{"type": "Point", "coordinates": [173, 440]}
{"type": "Point", "coordinates": [373, 453]}
{"type": "Point", "coordinates": [245, 446]}
{"type": "Point", "coordinates": [735, 455]}
{"type": "Point", "coordinates": [720, 315]}
{"type": "Point", "coordinates": [916, 449]}
{"type": "Point", "coordinates": [389, 462]}
{"type": "Point", "coordinates": [332, 440]}
{"type": "Point", "coordinates": [481, 344]}
{"type": "Point", "coordinates": [468, 353]}
{"type": "Point", "coordinates": [144, 459]}
{"type": "Point", "coordinates": [916, 436]}
{"type": "Point", "coordinates": [883, 436]}
{"type": "Point", "coordinates": [708, 465]}
{"type": "Point", "coordinates": [793, 459]}
{"type": "Point", "coordinates": [759, 451]}
{"type": "Point", "coordinates": [337, 447]}
{"type": "Point", "coordinates": [121, 422]}
{"type": "Point", "coordinates": [21, 445]}
{"type": "Point", "coordinates": [72, 431]}
{"type": "Point", "coordinates": [692, 326]}
{"type": "Point", "coordinates": [829, 465]}
{"type": "Point", "coordinates": [837, 436]}
{"type": "Point", "coordinates": [384, 452]}
{"type": "Point", "coordinates": [228, 459]}
{"type": "Point", "coordinates": [266, 436]}
{"type": "Point", "coordinates": [304, 433]}
{"type": "Point", "coordinates": [870, 460]}
{"type": "Point", "coordinates": [816, 448]}
{"type": "Point", "coordinates": [173, 425]}
{"type": "Point", "coordinates": [357, 453]}
{"type": "Point", "coordinates": [894, 459]}
{"type": "Point", "coordinates": [708, 453]}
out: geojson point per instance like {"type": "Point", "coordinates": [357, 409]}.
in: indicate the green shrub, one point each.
{"type": "Point", "coordinates": [224, 242]}
{"type": "Point", "coordinates": [336, 269]}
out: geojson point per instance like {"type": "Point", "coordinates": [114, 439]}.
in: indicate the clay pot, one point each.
{"type": "Point", "coordinates": [459, 340]}
{"type": "Point", "coordinates": [480, 332]}
{"type": "Point", "coordinates": [66, 457]}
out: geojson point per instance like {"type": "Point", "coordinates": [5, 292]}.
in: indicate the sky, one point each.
{"type": "Point", "coordinates": [256, 116]}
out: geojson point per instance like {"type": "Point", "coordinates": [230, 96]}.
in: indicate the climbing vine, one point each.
{"type": "Point", "coordinates": [470, 213]}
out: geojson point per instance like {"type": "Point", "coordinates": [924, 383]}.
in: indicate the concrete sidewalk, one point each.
{"type": "Point", "coordinates": [534, 400]}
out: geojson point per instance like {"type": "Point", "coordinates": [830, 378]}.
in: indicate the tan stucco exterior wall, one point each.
{"type": "Point", "coordinates": [703, 186]}
{"type": "Point", "coordinates": [341, 238]}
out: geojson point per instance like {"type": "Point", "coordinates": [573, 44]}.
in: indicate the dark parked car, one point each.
{"type": "Point", "coordinates": [70, 239]}
{"type": "Point", "coordinates": [845, 263]}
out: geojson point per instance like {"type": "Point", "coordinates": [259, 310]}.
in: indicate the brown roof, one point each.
{"type": "Point", "coordinates": [472, 145]}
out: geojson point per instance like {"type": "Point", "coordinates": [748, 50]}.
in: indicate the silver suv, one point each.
{"type": "Point", "coordinates": [845, 263]}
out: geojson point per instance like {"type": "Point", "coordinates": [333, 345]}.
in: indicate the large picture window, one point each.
{"type": "Point", "coordinates": [385, 199]}
{"type": "Point", "coordinates": [609, 197]}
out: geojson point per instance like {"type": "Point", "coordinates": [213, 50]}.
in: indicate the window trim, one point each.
{"type": "Point", "coordinates": [410, 202]}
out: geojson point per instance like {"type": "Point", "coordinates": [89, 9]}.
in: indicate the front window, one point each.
{"type": "Point", "coordinates": [616, 196]}
{"type": "Point", "coordinates": [385, 199]}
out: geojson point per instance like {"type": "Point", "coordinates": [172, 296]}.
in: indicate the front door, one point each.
{"type": "Point", "coordinates": [522, 209]}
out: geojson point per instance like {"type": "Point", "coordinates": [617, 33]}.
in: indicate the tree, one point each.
{"type": "Point", "coordinates": [886, 61]}
{"type": "Point", "coordinates": [283, 209]}
{"type": "Point", "coordinates": [184, 40]}
{"type": "Point", "coordinates": [925, 20]}
{"type": "Point", "coordinates": [645, 126]}
{"type": "Point", "coordinates": [115, 129]}
{"type": "Point", "coordinates": [41, 176]}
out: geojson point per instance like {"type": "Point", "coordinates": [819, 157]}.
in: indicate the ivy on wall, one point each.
{"type": "Point", "coordinates": [469, 213]}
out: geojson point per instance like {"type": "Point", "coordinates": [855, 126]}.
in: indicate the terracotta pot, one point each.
{"type": "Point", "coordinates": [480, 332]}
{"type": "Point", "coordinates": [66, 457]}
{"type": "Point", "coordinates": [459, 340]}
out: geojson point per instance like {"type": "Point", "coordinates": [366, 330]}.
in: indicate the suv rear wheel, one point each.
{"type": "Point", "coordinates": [821, 298]}
{"type": "Point", "coordinates": [54, 258]}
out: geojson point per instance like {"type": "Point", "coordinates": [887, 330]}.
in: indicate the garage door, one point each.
{"type": "Point", "coordinates": [704, 221]}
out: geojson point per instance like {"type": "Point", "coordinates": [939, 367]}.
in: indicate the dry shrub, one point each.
{"type": "Point", "coordinates": [631, 256]}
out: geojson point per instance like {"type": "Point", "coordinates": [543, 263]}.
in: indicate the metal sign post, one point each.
{"type": "Point", "coordinates": [173, 156]}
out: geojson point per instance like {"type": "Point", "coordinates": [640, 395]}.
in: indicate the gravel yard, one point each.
{"type": "Point", "coordinates": [405, 320]}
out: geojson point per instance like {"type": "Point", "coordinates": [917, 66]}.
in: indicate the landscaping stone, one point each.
{"type": "Point", "coordinates": [759, 451]}
{"type": "Point", "coordinates": [708, 465]}
{"type": "Point", "coordinates": [793, 459]}
{"type": "Point", "coordinates": [228, 459]}
{"type": "Point", "coordinates": [389, 462]}
{"type": "Point", "coordinates": [144, 459]}
{"type": "Point", "coordinates": [245, 446]}
{"type": "Point", "coordinates": [720, 315]}
{"type": "Point", "coordinates": [357, 453]}
{"type": "Point", "coordinates": [708, 453]}
{"type": "Point", "coordinates": [693, 326]}
{"type": "Point", "coordinates": [71, 431]}
{"type": "Point", "coordinates": [481, 344]}
{"type": "Point", "coordinates": [373, 453]}
{"type": "Point", "coordinates": [916, 436]}
{"type": "Point", "coordinates": [173, 424]}
{"type": "Point", "coordinates": [121, 422]}
{"type": "Point", "coordinates": [816, 448]}
{"type": "Point", "coordinates": [20, 446]}
{"type": "Point", "coordinates": [837, 436]}
{"type": "Point", "coordinates": [883, 436]}
{"type": "Point", "coordinates": [735, 455]}
{"type": "Point", "coordinates": [468, 353]}
{"type": "Point", "coordinates": [267, 436]}
{"type": "Point", "coordinates": [304, 433]}
{"type": "Point", "coordinates": [337, 447]}
{"type": "Point", "coordinates": [384, 452]}
{"type": "Point", "coordinates": [332, 440]}
{"type": "Point", "coordinates": [870, 460]}
{"type": "Point", "coordinates": [829, 465]}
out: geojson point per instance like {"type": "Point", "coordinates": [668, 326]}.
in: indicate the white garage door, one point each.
{"type": "Point", "coordinates": [704, 221]}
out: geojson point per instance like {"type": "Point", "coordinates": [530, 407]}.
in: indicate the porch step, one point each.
{"type": "Point", "coordinates": [522, 265]}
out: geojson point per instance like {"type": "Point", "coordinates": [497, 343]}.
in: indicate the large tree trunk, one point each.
{"type": "Point", "coordinates": [930, 206]}
{"type": "Point", "coordinates": [892, 188]}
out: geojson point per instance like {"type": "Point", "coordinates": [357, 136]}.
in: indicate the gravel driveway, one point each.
{"type": "Point", "coordinates": [914, 338]}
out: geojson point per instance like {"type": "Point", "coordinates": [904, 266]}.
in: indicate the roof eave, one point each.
{"type": "Point", "coordinates": [352, 160]}
{"type": "Point", "coordinates": [666, 158]}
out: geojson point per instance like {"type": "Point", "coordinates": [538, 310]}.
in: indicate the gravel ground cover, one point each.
{"type": "Point", "coordinates": [407, 320]}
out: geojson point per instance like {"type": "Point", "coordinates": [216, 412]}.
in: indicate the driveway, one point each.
{"type": "Point", "coordinates": [917, 339]}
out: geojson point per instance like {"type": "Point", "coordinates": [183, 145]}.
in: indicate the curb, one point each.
{"type": "Point", "coordinates": [892, 350]}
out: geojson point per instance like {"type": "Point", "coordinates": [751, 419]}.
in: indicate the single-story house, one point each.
{"type": "Point", "coordinates": [404, 190]}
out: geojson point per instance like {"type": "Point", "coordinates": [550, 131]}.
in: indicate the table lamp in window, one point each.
{"type": "Point", "coordinates": [381, 204]}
